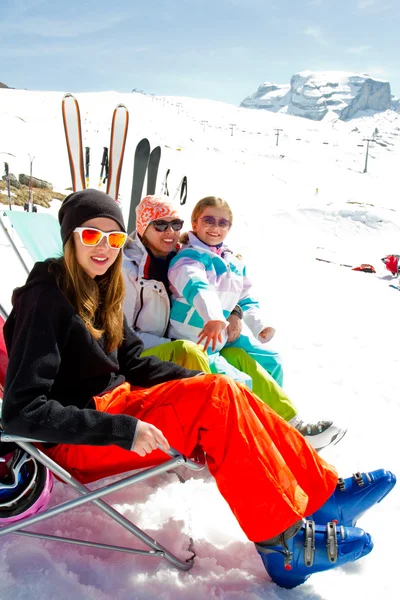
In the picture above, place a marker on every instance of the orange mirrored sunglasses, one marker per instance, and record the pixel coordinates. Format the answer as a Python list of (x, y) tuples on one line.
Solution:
[(90, 236)]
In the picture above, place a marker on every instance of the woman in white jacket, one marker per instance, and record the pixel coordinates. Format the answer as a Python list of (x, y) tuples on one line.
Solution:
[(145, 269)]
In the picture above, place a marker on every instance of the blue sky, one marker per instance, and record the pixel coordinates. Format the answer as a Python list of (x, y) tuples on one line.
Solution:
[(216, 49)]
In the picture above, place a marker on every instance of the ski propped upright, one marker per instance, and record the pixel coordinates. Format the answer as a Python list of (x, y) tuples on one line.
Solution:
[(141, 160), (73, 135), (152, 170), (119, 131)]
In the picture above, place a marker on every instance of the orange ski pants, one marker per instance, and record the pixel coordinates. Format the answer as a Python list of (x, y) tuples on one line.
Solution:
[(264, 468)]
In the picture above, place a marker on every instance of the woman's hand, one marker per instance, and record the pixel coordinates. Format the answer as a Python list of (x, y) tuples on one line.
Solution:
[(148, 438), (267, 334), (212, 333)]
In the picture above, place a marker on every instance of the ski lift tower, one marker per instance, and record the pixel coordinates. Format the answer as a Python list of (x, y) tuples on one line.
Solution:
[(368, 140), (277, 135)]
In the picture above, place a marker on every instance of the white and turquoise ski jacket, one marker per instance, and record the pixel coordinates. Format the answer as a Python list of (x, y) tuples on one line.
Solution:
[(206, 287)]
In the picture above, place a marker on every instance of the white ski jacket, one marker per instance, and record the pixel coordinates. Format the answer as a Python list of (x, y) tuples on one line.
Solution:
[(206, 287), (146, 305)]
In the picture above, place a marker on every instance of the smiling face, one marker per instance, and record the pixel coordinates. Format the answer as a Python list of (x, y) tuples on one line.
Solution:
[(161, 243), (212, 235), (95, 260)]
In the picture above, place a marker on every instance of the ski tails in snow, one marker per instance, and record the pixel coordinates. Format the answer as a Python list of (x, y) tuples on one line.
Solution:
[(152, 170), (73, 135), (79, 166), (119, 131), (141, 160)]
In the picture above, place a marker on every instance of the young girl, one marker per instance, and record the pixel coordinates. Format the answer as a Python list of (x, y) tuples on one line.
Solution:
[(207, 281), (147, 255), (217, 280), (76, 381)]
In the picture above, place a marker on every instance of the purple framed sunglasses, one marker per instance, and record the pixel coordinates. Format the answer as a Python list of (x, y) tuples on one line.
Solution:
[(214, 222)]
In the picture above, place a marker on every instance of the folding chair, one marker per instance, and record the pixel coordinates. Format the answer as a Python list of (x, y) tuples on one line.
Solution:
[(86, 495), (39, 233)]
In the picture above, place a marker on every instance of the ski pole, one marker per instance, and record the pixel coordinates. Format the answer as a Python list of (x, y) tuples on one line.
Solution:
[(30, 196), (104, 166), (365, 267), (332, 262), (181, 190), (8, 184), (164, 186), (87, 164)]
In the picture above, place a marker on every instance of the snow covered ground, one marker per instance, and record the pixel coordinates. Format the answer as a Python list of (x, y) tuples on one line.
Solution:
[(338, 330)]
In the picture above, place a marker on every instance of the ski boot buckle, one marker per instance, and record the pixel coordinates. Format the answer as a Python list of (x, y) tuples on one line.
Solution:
[(341, 484), (331, 542), (309, 543), (358, 479)]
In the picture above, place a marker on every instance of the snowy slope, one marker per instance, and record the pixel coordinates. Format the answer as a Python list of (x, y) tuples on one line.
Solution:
[(337, 330)]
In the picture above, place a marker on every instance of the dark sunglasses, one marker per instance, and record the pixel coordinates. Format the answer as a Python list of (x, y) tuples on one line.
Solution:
[(213, 222), (160, 225)]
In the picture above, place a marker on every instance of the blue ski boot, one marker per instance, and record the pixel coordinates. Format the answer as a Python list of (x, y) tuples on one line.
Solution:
[(354, 496), (314, 548)]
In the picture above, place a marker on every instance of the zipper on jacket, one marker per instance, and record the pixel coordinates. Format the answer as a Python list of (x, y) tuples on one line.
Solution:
[(141, 306)]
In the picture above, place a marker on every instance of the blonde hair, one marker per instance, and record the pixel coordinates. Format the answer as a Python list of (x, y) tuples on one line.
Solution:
[(98, 303), (208, 201)]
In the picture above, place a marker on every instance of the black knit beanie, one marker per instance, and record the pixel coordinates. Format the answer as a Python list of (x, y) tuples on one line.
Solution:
[(84, 205)]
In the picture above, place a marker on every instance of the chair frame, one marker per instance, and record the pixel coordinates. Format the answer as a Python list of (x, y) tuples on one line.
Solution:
[(86, 495)]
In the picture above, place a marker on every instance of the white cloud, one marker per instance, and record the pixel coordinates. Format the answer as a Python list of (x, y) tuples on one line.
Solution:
[(358, 49), (378, 71), (365, 3), (315, 32)]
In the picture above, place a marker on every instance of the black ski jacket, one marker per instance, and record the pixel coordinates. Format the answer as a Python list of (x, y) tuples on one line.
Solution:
[(56, 367)]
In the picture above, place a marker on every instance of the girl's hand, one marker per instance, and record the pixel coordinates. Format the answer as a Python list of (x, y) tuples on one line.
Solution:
[(212, 333), (234, 327), (148, 439), (267, 334)]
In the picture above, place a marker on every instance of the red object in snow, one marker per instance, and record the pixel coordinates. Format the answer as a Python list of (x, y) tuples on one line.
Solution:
[(366, 268), (392, 263)]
